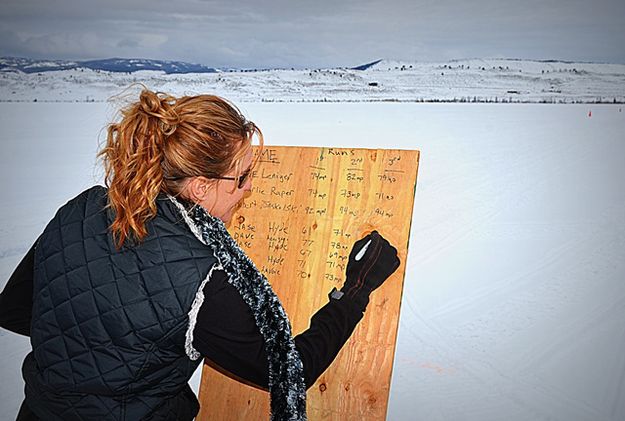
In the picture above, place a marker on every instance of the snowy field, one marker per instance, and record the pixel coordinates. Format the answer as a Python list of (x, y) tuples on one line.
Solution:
[(514, 301)]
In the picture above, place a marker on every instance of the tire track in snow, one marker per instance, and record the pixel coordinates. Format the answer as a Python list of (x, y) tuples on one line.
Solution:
[(506, 287)]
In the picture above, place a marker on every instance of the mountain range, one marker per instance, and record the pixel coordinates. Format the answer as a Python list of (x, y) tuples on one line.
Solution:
[(122, 65)]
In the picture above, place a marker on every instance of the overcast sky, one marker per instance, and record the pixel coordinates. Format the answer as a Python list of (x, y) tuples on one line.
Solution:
[(322, 33)]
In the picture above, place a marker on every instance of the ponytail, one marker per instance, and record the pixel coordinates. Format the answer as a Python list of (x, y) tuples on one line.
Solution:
[(132, 160)]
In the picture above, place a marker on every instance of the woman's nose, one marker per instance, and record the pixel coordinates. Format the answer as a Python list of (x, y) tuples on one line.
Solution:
[(248, 184)]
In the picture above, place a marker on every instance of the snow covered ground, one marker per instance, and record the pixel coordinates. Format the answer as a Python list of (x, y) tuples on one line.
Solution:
[(476, 80), (514, 301)]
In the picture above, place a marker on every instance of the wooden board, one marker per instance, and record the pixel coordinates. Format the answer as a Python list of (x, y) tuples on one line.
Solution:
[(307, 208)]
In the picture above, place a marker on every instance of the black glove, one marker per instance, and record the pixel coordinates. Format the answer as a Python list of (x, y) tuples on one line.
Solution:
[(367, 271)]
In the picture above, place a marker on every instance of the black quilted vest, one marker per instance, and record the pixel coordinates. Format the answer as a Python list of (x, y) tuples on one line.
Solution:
[(108, 326)]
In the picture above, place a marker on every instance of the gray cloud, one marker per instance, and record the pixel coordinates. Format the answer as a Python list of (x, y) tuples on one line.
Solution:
[(312, 34)]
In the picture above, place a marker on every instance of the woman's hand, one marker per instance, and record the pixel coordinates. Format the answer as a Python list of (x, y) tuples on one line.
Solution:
[(372, 260)]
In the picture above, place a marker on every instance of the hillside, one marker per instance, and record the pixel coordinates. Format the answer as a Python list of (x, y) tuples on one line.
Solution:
[(472, 80)]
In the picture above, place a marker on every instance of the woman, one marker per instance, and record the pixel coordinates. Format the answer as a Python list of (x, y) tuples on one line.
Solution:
[(131, 284)]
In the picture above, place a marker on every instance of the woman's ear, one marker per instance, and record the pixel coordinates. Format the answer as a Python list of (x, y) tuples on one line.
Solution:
[(198, 189)]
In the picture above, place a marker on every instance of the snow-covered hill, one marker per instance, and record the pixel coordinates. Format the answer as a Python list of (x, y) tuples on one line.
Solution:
[(473, 80)]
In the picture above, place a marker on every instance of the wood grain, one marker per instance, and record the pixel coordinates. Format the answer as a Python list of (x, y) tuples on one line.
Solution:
[(307, 208)]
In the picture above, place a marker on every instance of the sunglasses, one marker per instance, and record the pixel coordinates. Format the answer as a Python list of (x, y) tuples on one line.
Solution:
[(245, 175), (242, 178)]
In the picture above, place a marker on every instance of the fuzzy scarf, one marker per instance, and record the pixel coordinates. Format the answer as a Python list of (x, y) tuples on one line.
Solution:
[(286, 374)]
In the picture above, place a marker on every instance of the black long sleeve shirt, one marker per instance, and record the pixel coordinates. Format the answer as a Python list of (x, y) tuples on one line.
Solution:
[(225, 332), (16, 299)]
